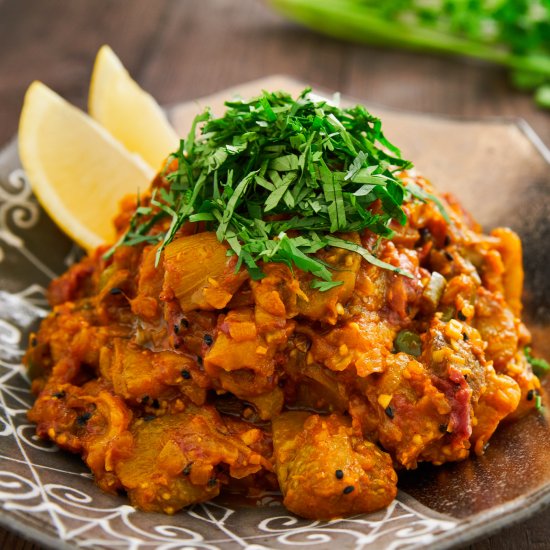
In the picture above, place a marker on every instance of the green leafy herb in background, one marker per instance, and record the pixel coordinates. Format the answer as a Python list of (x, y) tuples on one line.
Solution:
[(514, 33), (540, 366), (276, 177)]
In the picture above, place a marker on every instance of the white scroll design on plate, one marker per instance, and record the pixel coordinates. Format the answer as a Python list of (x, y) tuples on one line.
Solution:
[(17, 206), (19, 210)]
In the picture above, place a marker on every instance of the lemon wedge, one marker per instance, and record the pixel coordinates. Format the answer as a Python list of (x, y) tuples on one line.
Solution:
[(129, 113), (78, 171)]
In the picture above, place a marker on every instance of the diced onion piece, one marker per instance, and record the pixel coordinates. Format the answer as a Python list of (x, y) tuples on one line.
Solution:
[(327, 305), (434, 290), (199, 272)]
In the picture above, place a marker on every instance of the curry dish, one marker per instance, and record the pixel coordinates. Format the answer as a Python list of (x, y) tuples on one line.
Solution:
[(179, 379)]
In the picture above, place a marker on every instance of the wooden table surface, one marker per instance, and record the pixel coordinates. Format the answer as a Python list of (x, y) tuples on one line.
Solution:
[(183, 49)]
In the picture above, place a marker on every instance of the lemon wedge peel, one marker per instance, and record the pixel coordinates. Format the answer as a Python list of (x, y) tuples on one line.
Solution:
[(129, 113), (69, 158)]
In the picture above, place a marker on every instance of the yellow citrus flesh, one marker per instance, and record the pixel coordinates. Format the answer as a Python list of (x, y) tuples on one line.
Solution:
[(77, 170), (129, 113)]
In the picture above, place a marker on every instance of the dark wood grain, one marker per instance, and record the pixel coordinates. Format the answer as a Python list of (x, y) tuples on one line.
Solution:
[(180, 50), (10, 541)]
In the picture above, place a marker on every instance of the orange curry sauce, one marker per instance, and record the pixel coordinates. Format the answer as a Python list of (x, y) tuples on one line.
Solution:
[(180, 381)]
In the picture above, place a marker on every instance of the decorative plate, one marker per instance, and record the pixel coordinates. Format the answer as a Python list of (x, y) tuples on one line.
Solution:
[(501, 173)]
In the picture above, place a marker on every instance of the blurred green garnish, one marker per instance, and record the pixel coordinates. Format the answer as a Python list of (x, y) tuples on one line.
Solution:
[(540, 366), (513, 33)]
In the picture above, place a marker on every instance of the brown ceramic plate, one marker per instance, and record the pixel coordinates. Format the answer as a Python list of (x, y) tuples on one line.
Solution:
[(500, 171)]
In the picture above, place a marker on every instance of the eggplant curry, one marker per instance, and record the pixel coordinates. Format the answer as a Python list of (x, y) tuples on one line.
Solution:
[(289, 307)]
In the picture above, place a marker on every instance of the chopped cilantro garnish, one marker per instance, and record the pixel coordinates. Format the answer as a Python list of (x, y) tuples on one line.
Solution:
[(277, 178), (325, 285), (540, 366)]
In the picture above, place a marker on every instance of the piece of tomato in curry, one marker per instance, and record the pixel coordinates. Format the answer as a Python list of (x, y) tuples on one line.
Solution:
[(179, 381)]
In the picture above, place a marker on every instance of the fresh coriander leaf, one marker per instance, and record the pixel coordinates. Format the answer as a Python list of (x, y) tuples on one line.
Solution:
[(363, 190), (284, 163), (264, 183), (419, 193), (365, 254), (323, 286), (277, 194), (356, 165), (202, 217)]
